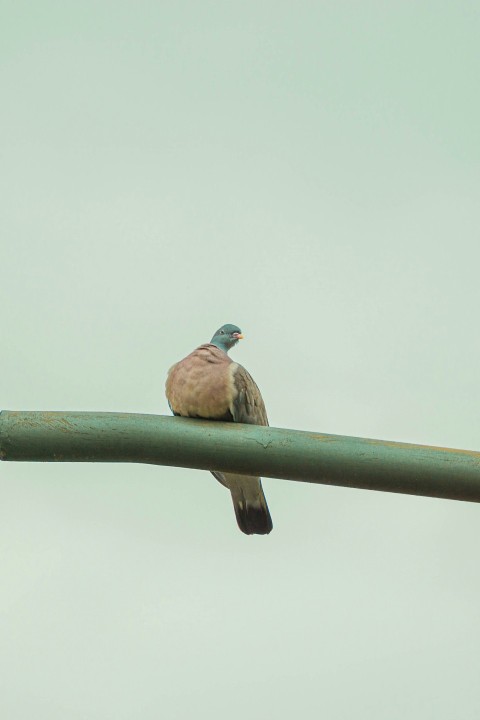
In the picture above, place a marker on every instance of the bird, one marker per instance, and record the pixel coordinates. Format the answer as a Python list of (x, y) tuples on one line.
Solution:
[(208, 384)]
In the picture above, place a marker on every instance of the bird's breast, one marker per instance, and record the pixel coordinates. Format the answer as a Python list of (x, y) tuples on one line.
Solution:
[(202, 385)]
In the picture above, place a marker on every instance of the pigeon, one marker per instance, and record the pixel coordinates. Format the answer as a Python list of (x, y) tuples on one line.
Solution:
[(207, 384)]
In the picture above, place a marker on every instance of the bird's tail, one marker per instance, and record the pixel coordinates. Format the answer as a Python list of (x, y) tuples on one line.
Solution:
[(249, 503)]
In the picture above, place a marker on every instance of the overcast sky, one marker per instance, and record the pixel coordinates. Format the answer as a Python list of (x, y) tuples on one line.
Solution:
[(310, 172)]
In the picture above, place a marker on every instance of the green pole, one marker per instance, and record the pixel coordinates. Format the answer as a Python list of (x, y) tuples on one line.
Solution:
[(263, 451)]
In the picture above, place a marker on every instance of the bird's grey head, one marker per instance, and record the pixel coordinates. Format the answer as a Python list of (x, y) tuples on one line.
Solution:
[(226, 337)]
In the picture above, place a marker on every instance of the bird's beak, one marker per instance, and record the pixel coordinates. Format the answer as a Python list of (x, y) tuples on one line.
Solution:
[(238, 336)]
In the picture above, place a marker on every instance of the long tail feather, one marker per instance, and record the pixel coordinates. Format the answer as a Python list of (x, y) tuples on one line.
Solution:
[(249, 503)]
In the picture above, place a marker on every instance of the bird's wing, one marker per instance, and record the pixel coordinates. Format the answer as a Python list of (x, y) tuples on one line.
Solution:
[(247, 406)]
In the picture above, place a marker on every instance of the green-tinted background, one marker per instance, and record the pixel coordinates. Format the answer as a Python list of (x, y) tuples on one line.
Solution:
[(309, 171)]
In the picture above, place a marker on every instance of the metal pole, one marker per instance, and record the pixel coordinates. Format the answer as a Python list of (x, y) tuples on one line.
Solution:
[(263, 451)]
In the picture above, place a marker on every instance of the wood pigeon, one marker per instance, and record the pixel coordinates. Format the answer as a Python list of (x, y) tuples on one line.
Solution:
[(208, 384)]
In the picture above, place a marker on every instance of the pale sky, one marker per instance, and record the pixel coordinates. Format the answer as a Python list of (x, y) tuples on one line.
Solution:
[(310, 172)]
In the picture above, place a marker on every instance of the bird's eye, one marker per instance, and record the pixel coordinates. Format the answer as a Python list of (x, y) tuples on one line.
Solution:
[(222, 332)]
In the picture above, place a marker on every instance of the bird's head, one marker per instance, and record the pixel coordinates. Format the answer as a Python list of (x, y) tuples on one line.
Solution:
[(226, 337)]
